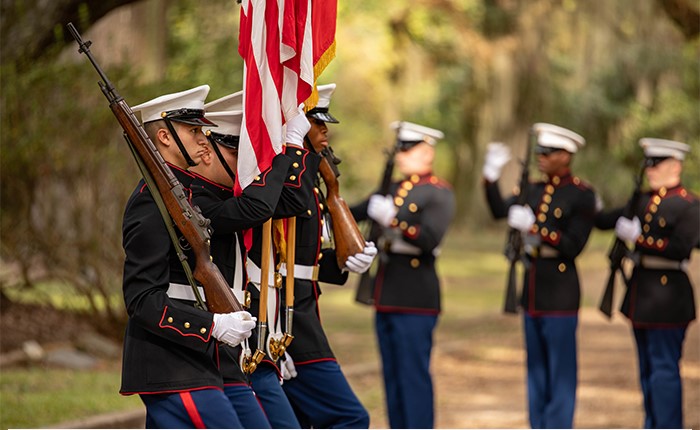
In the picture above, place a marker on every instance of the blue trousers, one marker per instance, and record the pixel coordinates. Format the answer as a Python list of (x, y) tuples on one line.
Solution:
[(322, 398), (247, 406), (659, 351), (266, 384), (551, 370), (405, 343), (189, 410)]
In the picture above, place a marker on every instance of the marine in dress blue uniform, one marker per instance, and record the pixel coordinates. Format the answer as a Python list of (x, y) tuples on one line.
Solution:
[(275, 188), (555, 222), (659, 300), (416, 216), (170, 346), (313, 381)]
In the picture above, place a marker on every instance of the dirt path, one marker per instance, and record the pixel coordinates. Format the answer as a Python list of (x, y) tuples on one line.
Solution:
[(481, 384)]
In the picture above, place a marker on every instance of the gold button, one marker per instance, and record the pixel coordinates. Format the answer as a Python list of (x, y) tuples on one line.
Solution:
[(547, 198), (163, 114), (549, 189), (170, 319), (659, 243), (557, 212), (656, 199), (662, 222), (577, 181), (415, 263), (403, 225), (650, 240), (648, 217), (322, 239), (187, 325), (308, 211), (684, 193), (295, 165), (394, 222), (415, 178), (316, 190), (645, 229), (640, 239), (203, 330), (434, 180), (320, 255), (562, 267), (413, 207), (662, 191), (544, 231), (257, 178), (556, 180), (403, 193), (299, 152), (535, 228), (411, 230), (664, 280), (653, 208), (248, 299), (407, 185), (541, 217), (323, 221), (293, 178), (553, 235), (320, 206), (398, 201), (544, 207)]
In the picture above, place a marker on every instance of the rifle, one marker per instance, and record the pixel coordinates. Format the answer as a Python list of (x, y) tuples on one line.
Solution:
[(618, 250), (188, 219), (365, 286), (514, 244), (346, 234)]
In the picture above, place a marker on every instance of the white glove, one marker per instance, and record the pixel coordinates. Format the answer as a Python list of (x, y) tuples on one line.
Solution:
[(497, 155), (382, 209), (297, 127), (233, 328), (521, 218), (360, 262), (628, 229), (287, 367)]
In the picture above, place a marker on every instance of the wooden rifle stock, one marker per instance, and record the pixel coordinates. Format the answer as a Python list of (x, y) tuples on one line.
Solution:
[(618, 251), (188, 219), (348, 239)]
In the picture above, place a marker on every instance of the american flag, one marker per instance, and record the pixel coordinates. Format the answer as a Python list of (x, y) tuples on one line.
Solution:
[(285, 44)]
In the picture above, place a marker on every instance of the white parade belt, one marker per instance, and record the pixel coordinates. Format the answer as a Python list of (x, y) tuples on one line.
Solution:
[(654, 262), (300, 272), (184, 292)]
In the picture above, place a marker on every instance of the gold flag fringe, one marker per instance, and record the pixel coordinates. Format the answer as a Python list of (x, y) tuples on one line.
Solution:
[(319, 67)]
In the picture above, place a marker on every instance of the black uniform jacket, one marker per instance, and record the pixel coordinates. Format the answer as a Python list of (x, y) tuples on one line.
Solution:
[(229, 216), (406, 280), (168, 345), (298, 192), (564, 208), (660, 293)]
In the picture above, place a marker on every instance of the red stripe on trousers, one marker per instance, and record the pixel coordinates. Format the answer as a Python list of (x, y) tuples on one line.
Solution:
[(192, 411)]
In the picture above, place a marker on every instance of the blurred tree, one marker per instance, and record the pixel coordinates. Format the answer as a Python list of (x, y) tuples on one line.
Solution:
[(31, 27)]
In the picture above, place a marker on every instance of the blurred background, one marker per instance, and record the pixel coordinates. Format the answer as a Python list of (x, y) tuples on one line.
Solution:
[(480, 70)]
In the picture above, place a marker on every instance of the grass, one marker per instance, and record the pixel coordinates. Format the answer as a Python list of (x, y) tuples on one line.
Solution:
[(473, 271), (37, 397)]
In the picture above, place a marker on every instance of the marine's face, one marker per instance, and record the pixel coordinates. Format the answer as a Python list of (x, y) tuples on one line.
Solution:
[(417, 160), (318, 134), (665, 173), (193, 139), (554, 162)]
